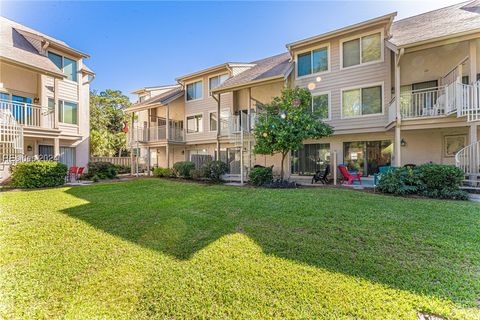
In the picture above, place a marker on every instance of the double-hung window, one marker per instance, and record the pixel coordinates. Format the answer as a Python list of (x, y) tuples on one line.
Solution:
[(195, 123), (362, 101), (213, 121), (68, 66), (362, 50), (314, 61), (194, 90), (320, 105), (215, 81)]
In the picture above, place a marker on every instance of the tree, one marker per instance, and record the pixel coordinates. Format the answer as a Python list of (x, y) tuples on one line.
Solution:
[(107, 115), (286, 122)]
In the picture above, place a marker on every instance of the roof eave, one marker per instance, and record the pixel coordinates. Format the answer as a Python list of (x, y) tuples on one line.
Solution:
[(428, 41), (248, 84), (333, 33), (34, 68)]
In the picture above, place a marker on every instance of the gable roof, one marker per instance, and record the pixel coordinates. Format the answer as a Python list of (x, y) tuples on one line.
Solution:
[(275, 67), (219, 67), (456, 19), (161, 99)]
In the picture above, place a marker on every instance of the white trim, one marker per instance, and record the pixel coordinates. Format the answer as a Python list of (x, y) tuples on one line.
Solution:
[(186, 91), (209, 120), (214, 76), (360, 36), (329, 94), (368, 85), (323, 45), (57, 113), (193, 115)]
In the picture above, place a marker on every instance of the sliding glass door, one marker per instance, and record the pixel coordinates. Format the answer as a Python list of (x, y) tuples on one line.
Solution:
[(367, 156), (310, 159)]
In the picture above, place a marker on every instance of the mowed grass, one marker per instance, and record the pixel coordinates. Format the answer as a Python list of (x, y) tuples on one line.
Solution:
[(160, 249)]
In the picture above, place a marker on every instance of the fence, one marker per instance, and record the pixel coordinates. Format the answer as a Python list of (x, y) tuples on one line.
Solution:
[(123, 161)]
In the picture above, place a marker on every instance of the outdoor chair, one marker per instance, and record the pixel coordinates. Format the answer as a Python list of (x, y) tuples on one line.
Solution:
[(72, 172), (381, 170), (321, 176), (79, 173), (349, 176)]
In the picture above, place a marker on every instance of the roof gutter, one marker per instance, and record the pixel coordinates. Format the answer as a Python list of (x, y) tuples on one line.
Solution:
[(248, 84)]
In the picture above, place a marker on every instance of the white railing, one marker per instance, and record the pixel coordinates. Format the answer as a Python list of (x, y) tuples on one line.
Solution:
[(423, 103), (123, 161), (156, 133), (237, 123), (29, 115), (468, 160), (11, 137), (392, 111)]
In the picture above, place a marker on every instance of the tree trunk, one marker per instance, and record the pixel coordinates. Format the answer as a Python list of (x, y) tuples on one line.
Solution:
[(281, 168)]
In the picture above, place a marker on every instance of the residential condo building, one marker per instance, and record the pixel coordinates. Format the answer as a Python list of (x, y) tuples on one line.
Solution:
[(396, 92), (44, 98)]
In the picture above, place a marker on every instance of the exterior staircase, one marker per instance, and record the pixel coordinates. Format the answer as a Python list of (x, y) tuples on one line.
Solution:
[(468, 159), (11, 142)]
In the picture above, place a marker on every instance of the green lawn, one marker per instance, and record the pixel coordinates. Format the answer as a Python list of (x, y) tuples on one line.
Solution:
[(160, 249)]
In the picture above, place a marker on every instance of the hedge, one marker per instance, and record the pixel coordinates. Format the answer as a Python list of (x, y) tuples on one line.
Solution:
[(101, 170), (38, 174)]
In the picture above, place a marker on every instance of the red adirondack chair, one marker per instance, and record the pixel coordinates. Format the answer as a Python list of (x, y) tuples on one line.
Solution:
[(79, 173), (349, 176), (72, 172)]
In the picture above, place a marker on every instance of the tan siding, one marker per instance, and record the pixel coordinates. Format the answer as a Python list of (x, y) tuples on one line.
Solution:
[(237, 70), (337, 79), (68, 90)]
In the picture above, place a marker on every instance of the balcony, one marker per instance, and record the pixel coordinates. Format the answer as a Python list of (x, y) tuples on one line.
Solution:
[(454, 98), (237, 123), (157, 134), (30, 115)]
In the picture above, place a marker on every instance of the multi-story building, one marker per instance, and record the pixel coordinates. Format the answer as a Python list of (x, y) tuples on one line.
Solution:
[(44, 98), (396, 92)]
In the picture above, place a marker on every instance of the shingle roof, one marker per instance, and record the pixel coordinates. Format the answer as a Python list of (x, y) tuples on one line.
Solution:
[(163, 98), (459, 18), (264, 69), (15, 47)]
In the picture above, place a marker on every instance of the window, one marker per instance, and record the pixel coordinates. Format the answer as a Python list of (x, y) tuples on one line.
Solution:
[(214, 82), (68, 66), (362, 50), (195, 124), (312, 62), (363, 101), (310, 158), (194, 90), (67, 112), (320, 105), (67, 156), (213, 121)]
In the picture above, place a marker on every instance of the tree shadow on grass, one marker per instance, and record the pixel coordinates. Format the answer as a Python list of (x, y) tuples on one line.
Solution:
[(425, 247)]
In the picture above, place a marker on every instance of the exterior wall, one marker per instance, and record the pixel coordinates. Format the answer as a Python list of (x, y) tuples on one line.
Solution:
[(19, 80), (204, 106), (336, 79)]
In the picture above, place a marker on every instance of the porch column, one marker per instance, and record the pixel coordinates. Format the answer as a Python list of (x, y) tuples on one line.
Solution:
[(398, 139), (56, 147), (149, 160), (40, 96), (167, 154), (473, 132), (56, 104), (217, 155), (473, 61), (167, 134), (132, 136)]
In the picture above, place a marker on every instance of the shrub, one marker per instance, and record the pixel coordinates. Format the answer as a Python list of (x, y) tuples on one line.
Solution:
[(429, 180), (183, 168), (260, 176), (215, 169), (197, 174), (38, 174), (103, 170), (122, 169), (162, 172)]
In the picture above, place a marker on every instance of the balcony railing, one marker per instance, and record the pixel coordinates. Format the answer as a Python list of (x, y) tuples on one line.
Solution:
[(423, 103), (156, 133), (30, 115), (237, 123)]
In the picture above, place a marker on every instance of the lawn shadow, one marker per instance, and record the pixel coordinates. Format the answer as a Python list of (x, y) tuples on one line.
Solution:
[(397, 242)]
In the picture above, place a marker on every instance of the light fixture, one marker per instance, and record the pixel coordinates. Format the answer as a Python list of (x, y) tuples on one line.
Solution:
[(311, 86), (29, 148), (36, 100), (403, 143), (319, 79)]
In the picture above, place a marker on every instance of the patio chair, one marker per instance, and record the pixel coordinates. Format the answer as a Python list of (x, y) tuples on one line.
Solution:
[(322, 177), (79, 173), (349, 176), (381, 169), (72, 172)]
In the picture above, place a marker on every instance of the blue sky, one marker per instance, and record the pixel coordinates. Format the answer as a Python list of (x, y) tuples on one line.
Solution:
[(137, 44)]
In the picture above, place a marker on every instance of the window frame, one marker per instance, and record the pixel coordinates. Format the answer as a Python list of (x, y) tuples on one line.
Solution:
[(62, 114), (369, 85), (329, 95), (321, 46), (216, 76), (210, 121), (359, 37), (186, 90), (63, 65), (186, 122)]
